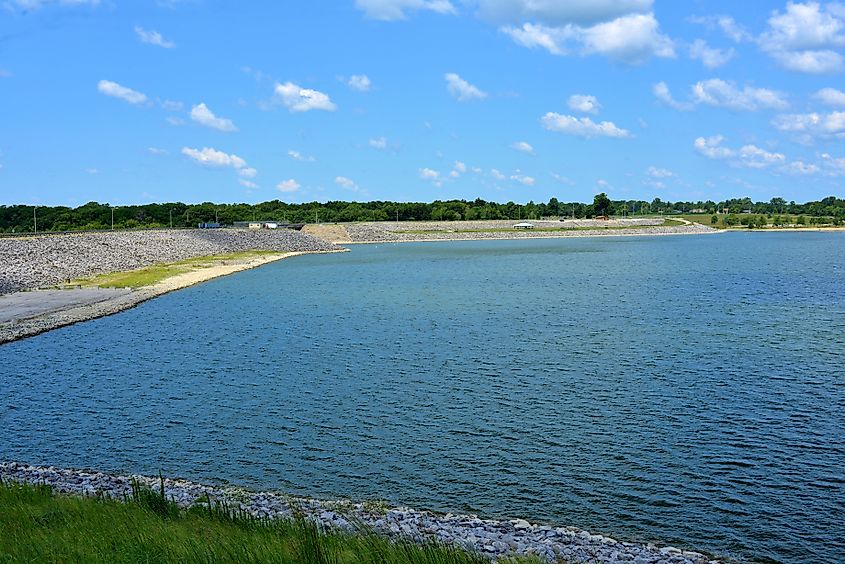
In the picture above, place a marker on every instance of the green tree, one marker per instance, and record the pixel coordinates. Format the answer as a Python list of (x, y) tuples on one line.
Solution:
[(714, 219), (601, 204)]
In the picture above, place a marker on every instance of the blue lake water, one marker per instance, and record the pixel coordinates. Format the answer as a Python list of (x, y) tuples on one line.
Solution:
[(685, 390)]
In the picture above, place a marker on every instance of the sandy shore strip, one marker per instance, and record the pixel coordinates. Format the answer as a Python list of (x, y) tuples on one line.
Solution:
[(493, 538), (62, 307)]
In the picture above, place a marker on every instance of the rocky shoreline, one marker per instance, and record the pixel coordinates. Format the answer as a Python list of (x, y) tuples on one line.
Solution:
[(492, 538)]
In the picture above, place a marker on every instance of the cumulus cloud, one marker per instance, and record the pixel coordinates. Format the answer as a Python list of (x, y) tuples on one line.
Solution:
[(631, 38), (495, 173), (555, 12), (831, 97), (379, 143), (710, 57), (523, 147), (153, 38), (248, 172), (297, 156), (726, 24), (830, 125), (749, 156), (523, 179), (298, 99), (289, 185), (582, 127), (711, 147), (359, 82), (390, 10), (460, 167), (719, 93), (662, 93), (656, 172), (346, 183), (800, 167), (806, 36), (115, 90), (462, 90), (204, 116), (172, 106), (429, 174), (584, 103), (247, 183), (212, 157)]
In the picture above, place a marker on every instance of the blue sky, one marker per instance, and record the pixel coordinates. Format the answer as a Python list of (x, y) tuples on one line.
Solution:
[(203, 100)]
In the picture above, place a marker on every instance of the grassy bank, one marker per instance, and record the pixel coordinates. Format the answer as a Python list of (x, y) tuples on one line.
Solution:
[(40, 526), (159, 272)]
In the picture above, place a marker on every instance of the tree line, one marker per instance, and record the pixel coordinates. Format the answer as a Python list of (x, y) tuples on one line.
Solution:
[(94, 215)]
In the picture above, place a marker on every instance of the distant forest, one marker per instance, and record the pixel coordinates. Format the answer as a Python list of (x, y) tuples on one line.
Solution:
[(93, 215)]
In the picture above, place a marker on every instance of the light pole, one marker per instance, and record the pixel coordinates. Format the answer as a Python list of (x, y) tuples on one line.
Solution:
[(34, 219), (171, 218), (112, 217)]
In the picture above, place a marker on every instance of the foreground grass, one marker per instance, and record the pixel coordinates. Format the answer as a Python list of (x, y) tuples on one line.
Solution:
[(40, 526), (156, 273), (666, 223)]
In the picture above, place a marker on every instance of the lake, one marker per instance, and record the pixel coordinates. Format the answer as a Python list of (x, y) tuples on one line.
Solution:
[(687, 390)]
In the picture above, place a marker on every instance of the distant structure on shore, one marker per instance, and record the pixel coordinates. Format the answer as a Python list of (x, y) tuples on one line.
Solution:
[(266, 225)]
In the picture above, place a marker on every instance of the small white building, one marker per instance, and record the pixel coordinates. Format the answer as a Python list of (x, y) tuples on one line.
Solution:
[(271, 225), (524, 225)]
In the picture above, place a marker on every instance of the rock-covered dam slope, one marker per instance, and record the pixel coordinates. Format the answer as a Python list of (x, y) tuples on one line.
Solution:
[(46, 260)]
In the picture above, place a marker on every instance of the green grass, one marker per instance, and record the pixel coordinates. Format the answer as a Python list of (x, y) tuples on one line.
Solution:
[(37, 525), (666, 223), (154, 274)]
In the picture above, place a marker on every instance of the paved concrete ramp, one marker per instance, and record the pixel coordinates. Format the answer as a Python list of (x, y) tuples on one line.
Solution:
[(24, 305)]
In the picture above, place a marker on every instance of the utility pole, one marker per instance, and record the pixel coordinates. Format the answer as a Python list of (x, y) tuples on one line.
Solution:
[(112, 218), (315, 217), (215, 216), (34, 219), (171, 218)]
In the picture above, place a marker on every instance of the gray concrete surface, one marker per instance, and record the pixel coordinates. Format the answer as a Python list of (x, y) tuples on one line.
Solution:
[(23, 305)]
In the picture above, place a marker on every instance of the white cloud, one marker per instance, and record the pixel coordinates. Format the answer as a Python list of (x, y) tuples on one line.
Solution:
[(804, 37), (719, 93), (711, 147), (754, 157), (212, 157), (584, 103), (632, 38), (298, 99), (749, 156), (831, 97), (454, 174), (248, 172), (833, 165), (523, 147), (582, 127), (297, 156), (460, 167), (602, 183), (800, 167), (153, 38), (92, 171), (289, 185), (115, 90), (429, 174), (523, 179), (813, 124), (359, 82), (559, 13), (346, 183), (173, 120), (563, 179), (204, 116), (710, 57), (662, 93), (462, 90), (172, 106), (390, 10), (247, 183), (727, 24), (156, 151), (495, 173), (379, 143), (655, 172)]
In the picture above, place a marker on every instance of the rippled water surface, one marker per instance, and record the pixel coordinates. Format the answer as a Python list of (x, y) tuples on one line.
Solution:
[(686, 390)]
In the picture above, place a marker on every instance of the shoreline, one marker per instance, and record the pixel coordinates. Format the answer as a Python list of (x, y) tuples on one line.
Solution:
[(507, 237), (492, 538), (54, 319)]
